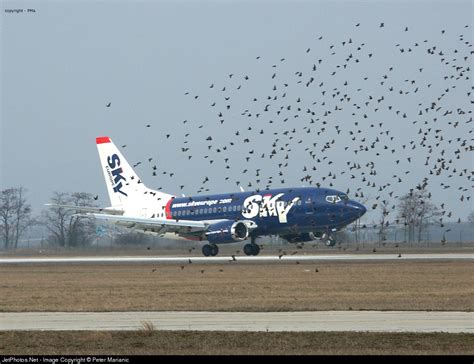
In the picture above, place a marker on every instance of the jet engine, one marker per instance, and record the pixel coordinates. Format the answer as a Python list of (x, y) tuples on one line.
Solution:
[(227, 231)]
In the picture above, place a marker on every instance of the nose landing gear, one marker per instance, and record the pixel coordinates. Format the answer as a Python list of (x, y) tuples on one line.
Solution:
[(327, 238), (330, 240)]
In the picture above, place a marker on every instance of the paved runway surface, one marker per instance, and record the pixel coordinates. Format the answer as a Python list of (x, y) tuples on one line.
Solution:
[(377, 321), (243, 259)]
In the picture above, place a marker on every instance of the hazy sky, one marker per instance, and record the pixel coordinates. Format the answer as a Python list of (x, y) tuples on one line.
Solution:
[(62, 64)]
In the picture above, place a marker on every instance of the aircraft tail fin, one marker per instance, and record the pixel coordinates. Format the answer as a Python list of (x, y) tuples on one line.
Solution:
[(123, 185)]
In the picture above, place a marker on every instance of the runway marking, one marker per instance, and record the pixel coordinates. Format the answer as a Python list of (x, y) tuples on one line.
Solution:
[(246, 259), (374, 321)]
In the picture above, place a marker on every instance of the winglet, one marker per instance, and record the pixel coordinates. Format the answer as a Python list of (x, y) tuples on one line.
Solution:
[(101, 140)]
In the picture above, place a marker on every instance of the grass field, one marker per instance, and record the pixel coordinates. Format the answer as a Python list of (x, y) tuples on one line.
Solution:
[(391, 285), (232, 343)]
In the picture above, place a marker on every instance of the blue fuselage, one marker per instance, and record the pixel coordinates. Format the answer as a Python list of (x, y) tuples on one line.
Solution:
[(276, 212)]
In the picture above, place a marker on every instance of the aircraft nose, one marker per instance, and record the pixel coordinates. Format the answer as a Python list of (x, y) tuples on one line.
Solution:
[(359, 209)]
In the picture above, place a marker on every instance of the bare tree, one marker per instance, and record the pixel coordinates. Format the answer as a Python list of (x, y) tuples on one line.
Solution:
[(67, 228), (470, 217), (417, 212), (15, 216), (132, 238), (356, 226), (383, 222)]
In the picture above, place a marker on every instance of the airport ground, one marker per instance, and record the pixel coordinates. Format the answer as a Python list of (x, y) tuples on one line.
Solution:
[(232, 343), (334, 285), (337, 285)]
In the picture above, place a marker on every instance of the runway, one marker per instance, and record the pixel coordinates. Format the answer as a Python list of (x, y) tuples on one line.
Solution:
[(236, 259), (375, 321)]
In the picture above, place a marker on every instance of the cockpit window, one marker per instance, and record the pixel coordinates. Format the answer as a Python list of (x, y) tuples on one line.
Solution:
[(344, 197), (333, 199)]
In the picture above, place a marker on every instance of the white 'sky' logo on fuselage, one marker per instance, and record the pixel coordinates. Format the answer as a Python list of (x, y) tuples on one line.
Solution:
[(263, 206)]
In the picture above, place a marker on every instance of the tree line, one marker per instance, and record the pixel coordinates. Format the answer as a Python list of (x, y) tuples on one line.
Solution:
[(65, 228)]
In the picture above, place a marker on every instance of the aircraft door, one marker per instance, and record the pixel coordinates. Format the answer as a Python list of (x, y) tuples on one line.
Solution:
[(310, 210), (309, 206)]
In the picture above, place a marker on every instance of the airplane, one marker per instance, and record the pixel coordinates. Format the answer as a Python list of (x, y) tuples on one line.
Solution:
[(300, 214)]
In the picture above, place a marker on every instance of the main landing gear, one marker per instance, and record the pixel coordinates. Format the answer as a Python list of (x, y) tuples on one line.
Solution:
[(252, 248), (210, 250)]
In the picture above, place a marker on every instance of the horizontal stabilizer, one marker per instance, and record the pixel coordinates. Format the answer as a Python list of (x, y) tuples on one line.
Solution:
[(89, 209)]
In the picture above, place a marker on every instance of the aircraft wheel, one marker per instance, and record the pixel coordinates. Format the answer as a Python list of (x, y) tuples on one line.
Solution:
[(214, 250), (248, 249), (255, 249), (207, 250)]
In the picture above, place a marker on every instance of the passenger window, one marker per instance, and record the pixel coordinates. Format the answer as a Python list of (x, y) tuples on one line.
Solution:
[(224, 209)]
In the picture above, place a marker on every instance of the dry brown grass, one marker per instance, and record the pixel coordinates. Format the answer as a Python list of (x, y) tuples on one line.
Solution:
[(147, 328), (223, 343), (397, 285)]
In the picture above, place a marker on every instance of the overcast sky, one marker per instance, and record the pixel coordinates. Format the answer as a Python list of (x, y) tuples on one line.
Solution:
[(161, 63)]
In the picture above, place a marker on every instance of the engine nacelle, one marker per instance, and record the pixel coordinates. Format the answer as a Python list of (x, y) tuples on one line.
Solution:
[(228, 231), (300, 238)]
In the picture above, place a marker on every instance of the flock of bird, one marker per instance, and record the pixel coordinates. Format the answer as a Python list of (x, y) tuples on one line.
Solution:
[(348, 115)]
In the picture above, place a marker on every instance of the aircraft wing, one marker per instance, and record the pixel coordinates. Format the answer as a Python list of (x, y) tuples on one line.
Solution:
[(88, 209), (159, 226)]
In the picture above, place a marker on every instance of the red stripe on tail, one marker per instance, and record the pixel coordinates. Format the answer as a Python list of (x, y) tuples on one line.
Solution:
[(102, 140)]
